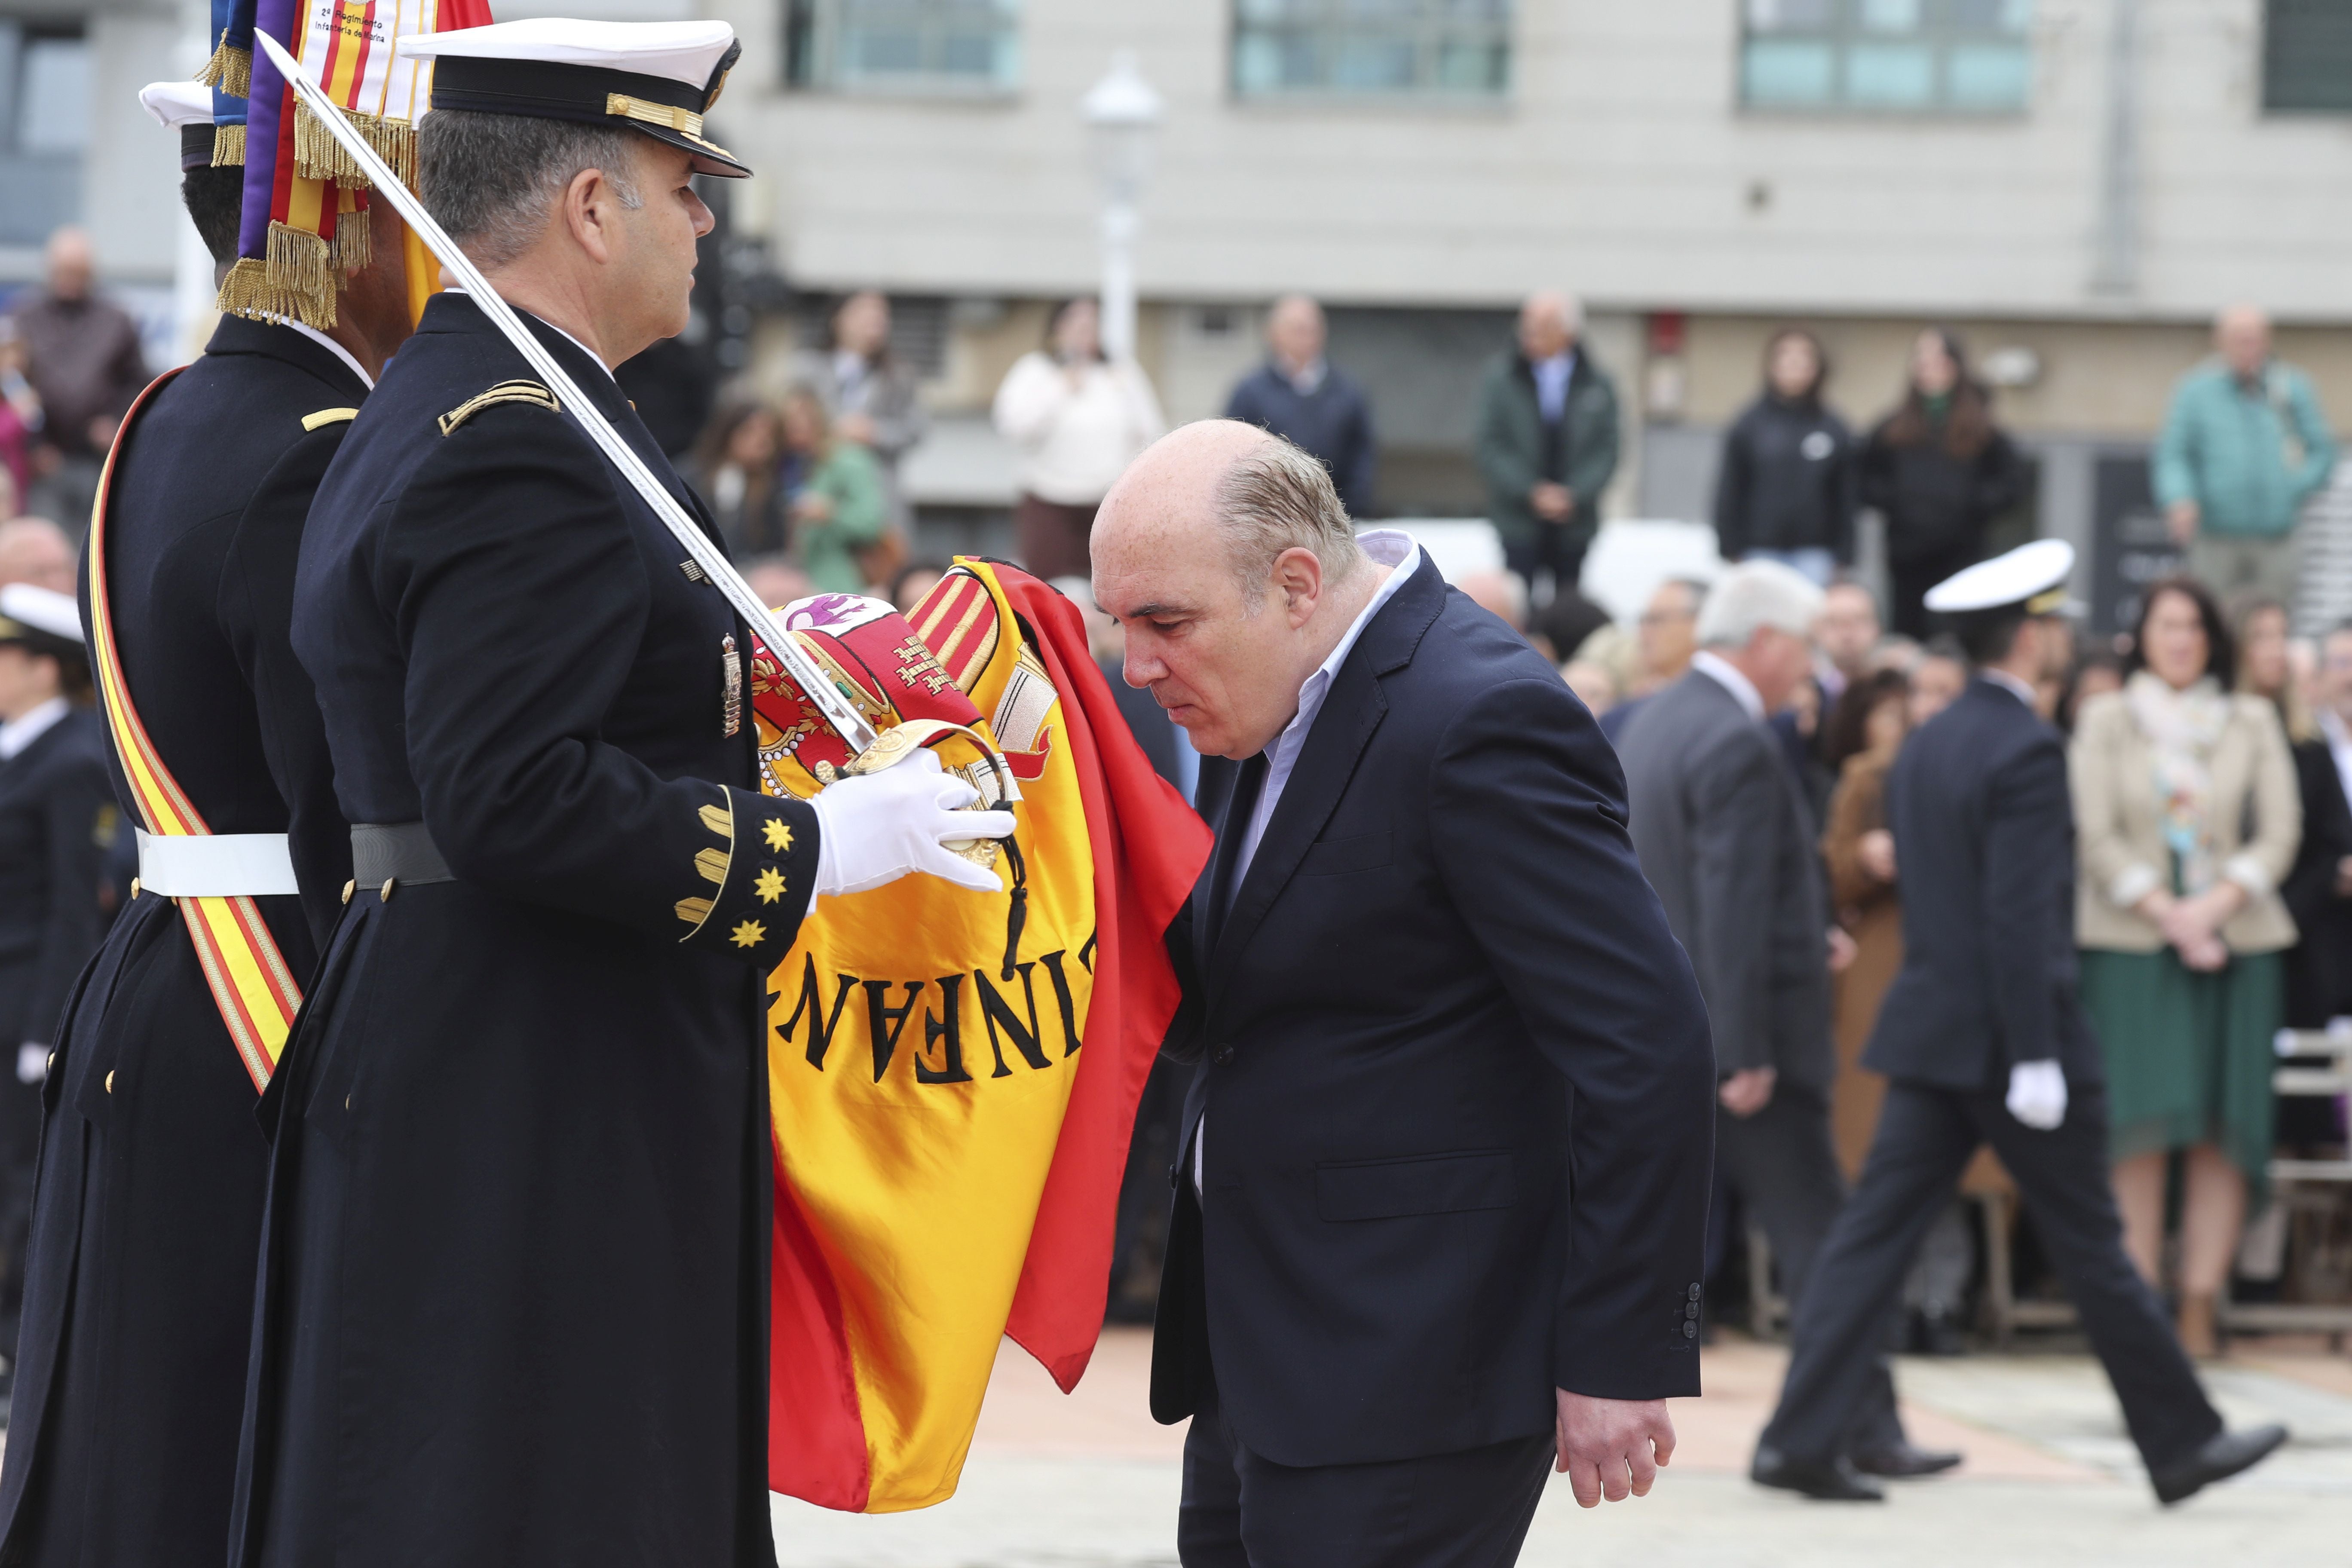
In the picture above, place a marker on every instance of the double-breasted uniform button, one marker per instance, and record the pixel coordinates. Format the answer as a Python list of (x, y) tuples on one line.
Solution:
[(1223, 1054)]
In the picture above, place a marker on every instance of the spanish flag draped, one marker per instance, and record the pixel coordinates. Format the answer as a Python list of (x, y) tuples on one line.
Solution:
[(954, 1076)]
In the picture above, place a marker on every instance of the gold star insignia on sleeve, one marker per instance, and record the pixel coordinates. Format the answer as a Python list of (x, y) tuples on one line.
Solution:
[(748, 933), (779, 838), (770, 885)]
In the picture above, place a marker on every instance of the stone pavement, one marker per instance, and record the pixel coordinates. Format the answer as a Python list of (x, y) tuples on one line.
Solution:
[(1089, 1482)]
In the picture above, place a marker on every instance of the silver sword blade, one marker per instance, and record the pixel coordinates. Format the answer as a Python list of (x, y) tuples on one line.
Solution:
[(836, 710)]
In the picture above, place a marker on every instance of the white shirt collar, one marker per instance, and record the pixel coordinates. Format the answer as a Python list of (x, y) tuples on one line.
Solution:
[(332, 347), (2010, 684), (1306, 382), (21, 732), (1725, 674)]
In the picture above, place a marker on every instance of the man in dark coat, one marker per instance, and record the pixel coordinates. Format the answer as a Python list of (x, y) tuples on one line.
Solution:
[(1983, 1039), (2318, 890), (1546, 440), (1302, 397), (513, 1274), (1422, 938), (132, 1363), (1727, 842)]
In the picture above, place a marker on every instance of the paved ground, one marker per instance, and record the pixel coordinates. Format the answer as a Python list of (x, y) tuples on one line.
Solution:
[(1089, 1482)]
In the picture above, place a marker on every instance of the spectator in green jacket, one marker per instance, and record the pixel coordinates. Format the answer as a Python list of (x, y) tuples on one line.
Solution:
[(839, 510), (2243, 448), (1546, 441)]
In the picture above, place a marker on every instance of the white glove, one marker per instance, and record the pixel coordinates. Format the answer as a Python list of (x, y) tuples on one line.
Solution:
[(2037, 1094), (32, 1062), (874, 828)]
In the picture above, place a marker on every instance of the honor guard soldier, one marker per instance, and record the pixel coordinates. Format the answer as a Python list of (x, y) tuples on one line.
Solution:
[(132, 1355), (57, 824), (1983, 1039), (514, 1278)]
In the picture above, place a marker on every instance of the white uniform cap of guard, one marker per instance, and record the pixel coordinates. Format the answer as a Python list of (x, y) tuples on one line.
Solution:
[(38, 609), (2031, 577), (171, 104)]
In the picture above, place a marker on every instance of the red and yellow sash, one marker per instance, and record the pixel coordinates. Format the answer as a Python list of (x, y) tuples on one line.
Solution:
[(256, 991)]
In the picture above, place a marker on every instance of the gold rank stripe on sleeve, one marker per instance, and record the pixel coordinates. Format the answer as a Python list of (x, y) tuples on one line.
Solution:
[(710, 864), (326, 417), (518, 391), (252, 986)]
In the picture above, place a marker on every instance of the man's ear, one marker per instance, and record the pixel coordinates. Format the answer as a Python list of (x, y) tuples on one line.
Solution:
[(588, 203), (1299, 579)]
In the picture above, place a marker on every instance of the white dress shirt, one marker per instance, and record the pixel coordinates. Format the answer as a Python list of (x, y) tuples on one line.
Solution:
[(30, 726), (2339, 746), (2010, 684), (1389, 547), (1725, 674), (1552, 384)]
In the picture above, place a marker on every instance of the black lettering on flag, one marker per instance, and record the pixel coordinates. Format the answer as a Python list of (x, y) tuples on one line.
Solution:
[(949, 1035), (821, 1027), (884, 1023), (995, 1010), (1086, 953), (1052, 962)]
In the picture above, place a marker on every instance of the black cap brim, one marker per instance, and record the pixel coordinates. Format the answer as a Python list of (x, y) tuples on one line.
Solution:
[(709, 157)]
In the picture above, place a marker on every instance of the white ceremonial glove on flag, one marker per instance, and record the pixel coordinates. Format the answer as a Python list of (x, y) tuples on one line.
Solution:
[(32, 1062), (874, 828), (2037, 1094)]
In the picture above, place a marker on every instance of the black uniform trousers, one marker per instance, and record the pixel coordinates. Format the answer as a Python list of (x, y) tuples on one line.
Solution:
[(1925, 1138), (1783, 1164)]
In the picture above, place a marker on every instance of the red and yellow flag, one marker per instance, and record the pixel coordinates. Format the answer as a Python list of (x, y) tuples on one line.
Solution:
[(954, 1076)]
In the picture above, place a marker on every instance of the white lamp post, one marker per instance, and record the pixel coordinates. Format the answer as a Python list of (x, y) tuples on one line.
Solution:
[(1122, 114)]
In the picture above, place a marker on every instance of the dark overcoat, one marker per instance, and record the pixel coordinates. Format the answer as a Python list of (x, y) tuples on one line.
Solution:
[(131, 1364), (512, 1299)]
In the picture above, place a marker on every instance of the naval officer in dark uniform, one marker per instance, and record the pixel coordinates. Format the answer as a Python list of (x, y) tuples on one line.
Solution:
[(132, 1363), (56, 825), (514, 1278), (1984, 1040)]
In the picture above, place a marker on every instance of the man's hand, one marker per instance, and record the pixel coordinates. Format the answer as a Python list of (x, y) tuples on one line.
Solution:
[(1612, 1448), (2180, 520), (1552, 502), (2037, 1094), (1875, 850), (1843, 949), (1747, 1091)]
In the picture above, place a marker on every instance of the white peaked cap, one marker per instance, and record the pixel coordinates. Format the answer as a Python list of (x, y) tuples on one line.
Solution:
[(40, 610), (171, 104), (2031, 577), (683, 51)]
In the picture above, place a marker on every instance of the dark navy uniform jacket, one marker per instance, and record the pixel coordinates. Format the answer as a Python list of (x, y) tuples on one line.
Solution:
[(130, 1363), (57, 823), (1459, 1093), (513, 1301)]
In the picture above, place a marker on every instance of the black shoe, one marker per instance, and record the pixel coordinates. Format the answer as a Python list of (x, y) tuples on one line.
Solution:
[(1834, 1481), (1902, 1462), (2224, 1456)]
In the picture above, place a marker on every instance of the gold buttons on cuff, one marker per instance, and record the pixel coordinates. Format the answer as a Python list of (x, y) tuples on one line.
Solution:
[(349, 888), (134, 887), (109, 1080), (384, 893)]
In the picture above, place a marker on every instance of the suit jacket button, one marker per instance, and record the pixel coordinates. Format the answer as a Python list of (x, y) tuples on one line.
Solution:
[(1690, 1330), (1223, 1055)]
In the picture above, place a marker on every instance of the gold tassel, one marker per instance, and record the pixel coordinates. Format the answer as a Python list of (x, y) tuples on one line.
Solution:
[(350, 250), (231, 70), (319, 156), (292, 281), (228, 147)]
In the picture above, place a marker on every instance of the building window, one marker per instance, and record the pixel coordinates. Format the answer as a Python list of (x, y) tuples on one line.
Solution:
[(2307, 56), (903, 45), (1935, 57), (44, 127), (1426, 48)]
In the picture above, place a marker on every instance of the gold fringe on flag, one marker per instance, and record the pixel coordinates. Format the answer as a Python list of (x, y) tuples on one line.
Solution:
[(289, 283), (228, 147), (231, 70), (349, 249), (319, 156)]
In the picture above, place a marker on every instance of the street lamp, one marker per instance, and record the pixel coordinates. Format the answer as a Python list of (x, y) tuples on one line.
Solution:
[(1122, 114)]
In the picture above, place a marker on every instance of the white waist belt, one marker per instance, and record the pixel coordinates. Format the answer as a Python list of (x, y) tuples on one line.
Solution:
[(215, 865)]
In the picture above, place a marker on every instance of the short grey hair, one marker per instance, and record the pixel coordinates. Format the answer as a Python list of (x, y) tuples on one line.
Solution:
[(1278, 498), (1755, 594), (490, 179)]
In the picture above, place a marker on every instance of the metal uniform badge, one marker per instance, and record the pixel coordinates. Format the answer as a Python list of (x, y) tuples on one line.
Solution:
[(731, 675)]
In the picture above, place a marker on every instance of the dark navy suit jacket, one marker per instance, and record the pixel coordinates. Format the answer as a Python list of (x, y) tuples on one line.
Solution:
[(1455, 1070)]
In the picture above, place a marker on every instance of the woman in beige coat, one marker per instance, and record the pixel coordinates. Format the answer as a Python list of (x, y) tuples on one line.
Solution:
[(2188, 815)]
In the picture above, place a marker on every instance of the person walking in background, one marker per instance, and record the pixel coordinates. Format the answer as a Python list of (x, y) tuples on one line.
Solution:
[(870, 393), (1787, 484), (2318, 891), (1664, 639), (835, 499), (1982, 1040), (1302, 397), (2243, 447), (738, 467), (82, 358), (1846, 638), (1865, 734), (57, 822), (1939, 470), (2186, 805), (1078, 420), (1545, 440)]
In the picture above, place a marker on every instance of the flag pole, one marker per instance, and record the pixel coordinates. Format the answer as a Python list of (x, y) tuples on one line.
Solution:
[(816, 687)]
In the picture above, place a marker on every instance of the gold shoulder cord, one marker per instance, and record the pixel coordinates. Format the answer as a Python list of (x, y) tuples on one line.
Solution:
[(529, 392)]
